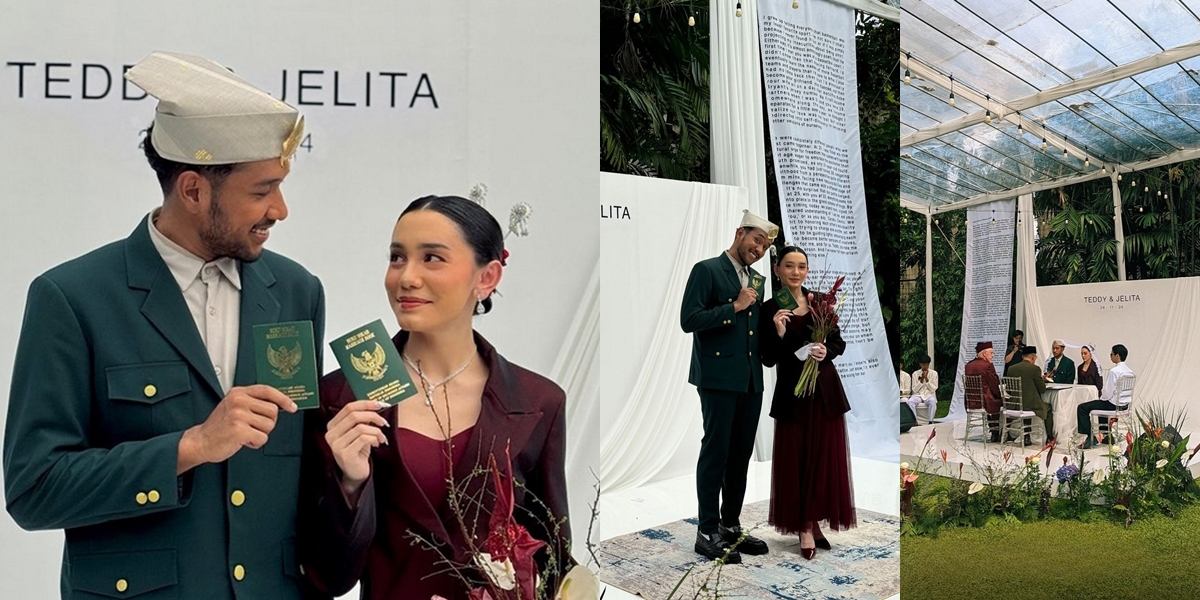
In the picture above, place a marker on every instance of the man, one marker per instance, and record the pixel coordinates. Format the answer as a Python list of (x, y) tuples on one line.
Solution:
[(989, 398), (1013, 356), (924, 388), (719, 306), (1032, 388), (1110, 396), (133, 421), (1059, 368), (905, 383)]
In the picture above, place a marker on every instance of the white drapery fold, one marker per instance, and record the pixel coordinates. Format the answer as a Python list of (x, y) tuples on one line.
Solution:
[(576, 370), (1170, 377), (1029, 306), (655, 420)]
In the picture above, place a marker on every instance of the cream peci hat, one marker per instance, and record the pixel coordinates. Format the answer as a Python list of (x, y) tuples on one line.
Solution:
[(750, 219), (208, 115)]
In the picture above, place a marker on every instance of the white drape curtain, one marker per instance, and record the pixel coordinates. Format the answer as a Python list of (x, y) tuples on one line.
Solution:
[(738, 155), (657, 417), (1170, 376), (1029, 306), (576, 371)]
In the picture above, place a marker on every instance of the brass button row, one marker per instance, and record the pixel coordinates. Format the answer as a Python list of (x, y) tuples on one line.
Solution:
[(143, 497)]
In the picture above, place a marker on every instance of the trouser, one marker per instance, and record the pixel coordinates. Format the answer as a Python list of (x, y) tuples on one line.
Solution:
[(1083, 413), (730, 424), (930, 404)]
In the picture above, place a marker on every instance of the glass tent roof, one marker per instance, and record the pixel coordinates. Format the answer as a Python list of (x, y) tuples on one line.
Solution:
[(1103, 84)]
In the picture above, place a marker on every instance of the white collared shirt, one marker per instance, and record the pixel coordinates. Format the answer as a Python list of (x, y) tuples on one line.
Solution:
[(743, 271), (213, 294), (928, 388), (905, 384), (1118, 371)]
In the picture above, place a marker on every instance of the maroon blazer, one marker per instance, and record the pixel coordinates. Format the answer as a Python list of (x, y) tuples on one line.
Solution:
[(373, 541), (991, 401)]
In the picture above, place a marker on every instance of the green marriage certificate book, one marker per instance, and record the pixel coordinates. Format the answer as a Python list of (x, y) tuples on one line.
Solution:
[(286, 359), (372, 366)]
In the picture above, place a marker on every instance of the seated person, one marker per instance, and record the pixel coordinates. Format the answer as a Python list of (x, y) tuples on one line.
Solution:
[(989, 395), (1108, 396), (905, 383), (1059, 369), (1089, 371), (924, 384), (1032, 388)]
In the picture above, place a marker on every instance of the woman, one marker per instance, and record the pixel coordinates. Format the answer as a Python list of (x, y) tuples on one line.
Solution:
[(1013, 355), (810, 469), (380, 509), (1088, 371)]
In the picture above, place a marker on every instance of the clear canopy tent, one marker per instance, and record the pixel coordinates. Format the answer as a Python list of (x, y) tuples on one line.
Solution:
[(1004, 98)]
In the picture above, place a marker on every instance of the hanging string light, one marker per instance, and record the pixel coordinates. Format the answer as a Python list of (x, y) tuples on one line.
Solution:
[(987, 115), (637, 15), (1020, 129), (1086, 163), (795, 3), (738, 12), (1104, 169), (1118, 169), (691, 20), (1044, 141), (907, 74), (951, 90)]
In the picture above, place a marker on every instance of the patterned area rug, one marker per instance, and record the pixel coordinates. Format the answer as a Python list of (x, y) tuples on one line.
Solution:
[(863, 565)]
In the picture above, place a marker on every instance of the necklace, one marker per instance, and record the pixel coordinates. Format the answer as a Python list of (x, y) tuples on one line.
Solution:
[(431, 388)]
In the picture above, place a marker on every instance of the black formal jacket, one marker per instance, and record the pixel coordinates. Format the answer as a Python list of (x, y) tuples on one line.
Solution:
[(785, 406)]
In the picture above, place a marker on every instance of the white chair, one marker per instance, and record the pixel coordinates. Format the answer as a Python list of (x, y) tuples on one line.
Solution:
[(1103, 420), (976, 417), (1018, 421)]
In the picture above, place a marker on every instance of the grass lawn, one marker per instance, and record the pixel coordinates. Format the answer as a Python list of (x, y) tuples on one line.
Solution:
[(1050, 560)]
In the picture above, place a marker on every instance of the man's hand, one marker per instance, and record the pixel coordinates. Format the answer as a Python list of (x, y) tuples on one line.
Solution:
[(746, 298), (243, 418)]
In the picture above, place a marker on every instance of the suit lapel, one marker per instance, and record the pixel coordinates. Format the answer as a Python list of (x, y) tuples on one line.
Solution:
[(259, 307), (727, 267), (164, 305)]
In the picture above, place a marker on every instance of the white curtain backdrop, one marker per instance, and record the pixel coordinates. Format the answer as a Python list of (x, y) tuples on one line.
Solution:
[(1029, 305), (576, 370), (1155, 319), (738, 154), (651, 413)]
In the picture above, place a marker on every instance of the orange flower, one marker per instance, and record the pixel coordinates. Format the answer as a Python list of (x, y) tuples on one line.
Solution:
[(943, 456)]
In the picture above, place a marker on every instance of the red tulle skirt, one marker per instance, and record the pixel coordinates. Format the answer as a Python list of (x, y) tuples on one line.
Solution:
[(810, 472)]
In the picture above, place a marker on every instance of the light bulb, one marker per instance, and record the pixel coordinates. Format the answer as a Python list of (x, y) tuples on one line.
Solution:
[(1118, 176), (951, 98), (1103, 170), (987, 117), (691, 21), (907, 77), (796, 4), (1020, 130), (1147, 189), (637, 17), (1064, 152), (1043, 142), (738, 12), (1086, 163)]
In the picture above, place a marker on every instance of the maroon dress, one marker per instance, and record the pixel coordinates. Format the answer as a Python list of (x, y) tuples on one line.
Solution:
[(383, 541), (810, 466)]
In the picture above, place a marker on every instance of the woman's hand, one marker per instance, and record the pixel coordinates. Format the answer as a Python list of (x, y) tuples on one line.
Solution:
[(781, 320), (351, 435), (818, 351)]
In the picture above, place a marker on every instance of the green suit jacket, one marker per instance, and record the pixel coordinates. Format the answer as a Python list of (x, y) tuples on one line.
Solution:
[(1032, 387), (110, 370), (1065, 373), (724, 342)]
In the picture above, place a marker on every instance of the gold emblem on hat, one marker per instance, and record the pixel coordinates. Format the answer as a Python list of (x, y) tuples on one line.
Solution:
[(286, 361), (292, 142), (372, 365), (772, 232), (203, 155)]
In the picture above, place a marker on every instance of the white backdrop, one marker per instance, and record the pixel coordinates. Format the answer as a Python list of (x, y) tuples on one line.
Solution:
[(516, 96), (651, 414), (1155, 319)]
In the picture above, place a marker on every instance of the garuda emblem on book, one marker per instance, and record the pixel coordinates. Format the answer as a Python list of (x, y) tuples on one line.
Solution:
[(371, 364), (285, 362)]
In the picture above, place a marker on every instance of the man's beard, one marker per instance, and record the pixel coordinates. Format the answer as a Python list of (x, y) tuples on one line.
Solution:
[(221, 240)]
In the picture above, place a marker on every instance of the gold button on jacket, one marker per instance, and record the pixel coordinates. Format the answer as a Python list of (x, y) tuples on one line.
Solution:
[(150, 390), (152, 496), (237, 498), (141, 497), (122, 585), (239, 572)]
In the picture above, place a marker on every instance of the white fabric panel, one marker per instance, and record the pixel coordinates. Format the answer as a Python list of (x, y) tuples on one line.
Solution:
[(738, 156), (577, 371), (1029, 306), (987, 298), (651, 415), (818, 166), (1155, 319)]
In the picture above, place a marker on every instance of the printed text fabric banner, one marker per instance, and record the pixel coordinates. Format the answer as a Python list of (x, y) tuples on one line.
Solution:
[(812, 103)]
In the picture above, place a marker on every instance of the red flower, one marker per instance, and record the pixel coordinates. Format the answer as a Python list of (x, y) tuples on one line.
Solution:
[(506, 538), (943, 456), (1129, 438)]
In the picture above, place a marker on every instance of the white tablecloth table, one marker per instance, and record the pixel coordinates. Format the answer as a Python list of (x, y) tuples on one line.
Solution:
[(1064, 402)]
